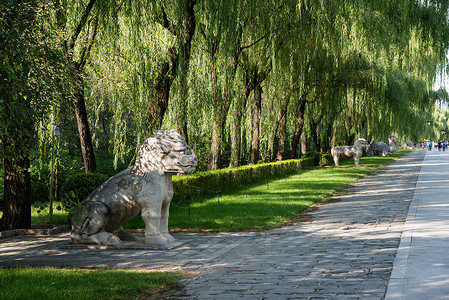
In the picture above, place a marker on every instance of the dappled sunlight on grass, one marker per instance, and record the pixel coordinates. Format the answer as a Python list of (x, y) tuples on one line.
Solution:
[(266, 205), (39, 216), (59, 215)]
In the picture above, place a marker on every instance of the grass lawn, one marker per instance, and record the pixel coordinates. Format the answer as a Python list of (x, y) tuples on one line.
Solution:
[(59, 216), (269, 204), (71, 283), (43, 216)]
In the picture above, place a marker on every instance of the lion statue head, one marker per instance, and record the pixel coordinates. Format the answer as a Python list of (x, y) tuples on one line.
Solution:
[(166, 152)]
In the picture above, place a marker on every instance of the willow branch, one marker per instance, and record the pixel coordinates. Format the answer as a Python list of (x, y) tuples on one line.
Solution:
[(86, 51), (81, 24)]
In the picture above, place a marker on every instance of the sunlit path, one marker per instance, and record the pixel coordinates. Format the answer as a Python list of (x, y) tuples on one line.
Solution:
[(421, 268)]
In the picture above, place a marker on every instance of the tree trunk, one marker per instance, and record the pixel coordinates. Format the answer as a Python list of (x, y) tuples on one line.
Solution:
[(282, 116), (218, 128), (303, 144), (218, 123), (327, 137), (256, 119), (349, 136), (235, 143), (215, 150), (181, 123), (299, 125), (271, 141), (161, 92), (281, 139), (83, 127), (17, 190), (220, 107), (80, 106), (273, 130), (314, 133), (236, 131), (184, 38), (236, 117), (258, 78)]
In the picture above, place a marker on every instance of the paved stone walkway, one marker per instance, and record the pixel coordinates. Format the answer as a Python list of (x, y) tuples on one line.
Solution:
[(344, 249)]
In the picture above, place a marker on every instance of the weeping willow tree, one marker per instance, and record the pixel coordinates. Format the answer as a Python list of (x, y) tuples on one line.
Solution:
[(139, 67), (244, 80), (130, 78), (215, 26), (381, 72), (78, 23)]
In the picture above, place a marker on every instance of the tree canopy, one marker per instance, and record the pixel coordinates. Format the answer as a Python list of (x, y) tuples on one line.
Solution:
[(349, 68)]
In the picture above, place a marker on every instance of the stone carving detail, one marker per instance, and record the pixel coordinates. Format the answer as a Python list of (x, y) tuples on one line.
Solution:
[(145, 189), (354, 152)]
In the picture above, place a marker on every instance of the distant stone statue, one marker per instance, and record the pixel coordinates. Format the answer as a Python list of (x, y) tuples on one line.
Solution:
[(392, 140), (381, 148), (145, 189), (354, 152), (378, 149)]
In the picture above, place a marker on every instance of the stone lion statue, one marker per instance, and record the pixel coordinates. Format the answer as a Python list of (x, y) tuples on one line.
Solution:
[(144, 189), (354, 152)]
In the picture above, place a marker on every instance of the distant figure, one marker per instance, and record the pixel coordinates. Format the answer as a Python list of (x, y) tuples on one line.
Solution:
[(430, 146)]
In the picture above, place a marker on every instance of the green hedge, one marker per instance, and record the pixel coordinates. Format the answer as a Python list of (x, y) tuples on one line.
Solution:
[(326, 159), (188, 187), (79, 186)]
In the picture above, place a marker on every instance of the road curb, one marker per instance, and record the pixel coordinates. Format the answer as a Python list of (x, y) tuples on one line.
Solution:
[(47, 230)]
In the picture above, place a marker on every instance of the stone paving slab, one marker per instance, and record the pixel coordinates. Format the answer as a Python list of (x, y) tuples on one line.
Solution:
[(344, 249)]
